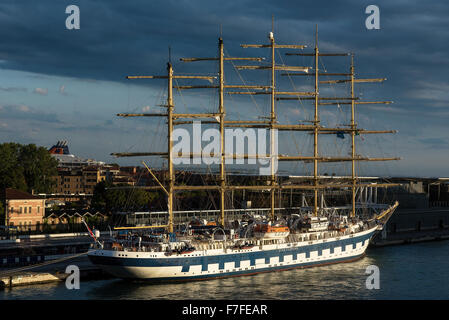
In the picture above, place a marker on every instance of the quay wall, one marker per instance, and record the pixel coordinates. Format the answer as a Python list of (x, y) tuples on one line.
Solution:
[(409, 225)]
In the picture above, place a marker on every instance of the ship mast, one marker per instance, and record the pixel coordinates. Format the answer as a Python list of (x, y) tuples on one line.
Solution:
[(169, 154), (272, 120), (353, 127), (221, 115), (171, 176), (315, 131), (221, 111)]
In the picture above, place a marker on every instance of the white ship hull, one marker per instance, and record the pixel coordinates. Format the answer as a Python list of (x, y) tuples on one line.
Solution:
[(204, 264)]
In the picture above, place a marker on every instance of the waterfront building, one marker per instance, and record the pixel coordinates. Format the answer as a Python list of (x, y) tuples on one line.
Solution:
[(22, 209), (78, 177)]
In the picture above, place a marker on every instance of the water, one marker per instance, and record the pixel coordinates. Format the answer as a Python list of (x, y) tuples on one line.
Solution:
[(417, 271)]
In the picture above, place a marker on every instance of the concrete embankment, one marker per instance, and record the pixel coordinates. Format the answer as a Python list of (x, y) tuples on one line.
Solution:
[(412, 225), (30, 278)]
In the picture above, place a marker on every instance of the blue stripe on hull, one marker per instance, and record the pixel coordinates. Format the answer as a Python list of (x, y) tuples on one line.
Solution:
[(252, 272)]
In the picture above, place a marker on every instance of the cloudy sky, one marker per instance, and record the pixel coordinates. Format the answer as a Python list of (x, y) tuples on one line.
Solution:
[(60, 84)]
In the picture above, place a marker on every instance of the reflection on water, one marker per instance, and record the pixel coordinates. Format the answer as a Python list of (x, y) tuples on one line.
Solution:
[(406, 272), (329, 282)]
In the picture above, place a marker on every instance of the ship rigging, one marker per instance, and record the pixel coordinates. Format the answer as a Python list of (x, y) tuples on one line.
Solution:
[(309, 238)]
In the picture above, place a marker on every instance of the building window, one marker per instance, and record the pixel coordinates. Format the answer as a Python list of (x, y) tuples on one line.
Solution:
[(29, 210), (38, 209), (11, 210), (25, 210)]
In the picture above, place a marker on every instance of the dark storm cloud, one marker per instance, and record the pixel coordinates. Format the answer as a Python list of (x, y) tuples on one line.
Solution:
[(118, 38)]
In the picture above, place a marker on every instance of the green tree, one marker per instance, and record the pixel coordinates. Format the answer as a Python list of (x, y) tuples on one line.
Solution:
[(27, 168), (39, 168), (137, 198), (99, 196), (109, 200), (11, 171)]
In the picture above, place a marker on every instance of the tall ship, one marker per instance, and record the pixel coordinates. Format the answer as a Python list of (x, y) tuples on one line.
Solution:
[(308, 234)]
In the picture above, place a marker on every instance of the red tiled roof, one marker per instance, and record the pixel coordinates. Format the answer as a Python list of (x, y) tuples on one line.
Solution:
[(14, 194)]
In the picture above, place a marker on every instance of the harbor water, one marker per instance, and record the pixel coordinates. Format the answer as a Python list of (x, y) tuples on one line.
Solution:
[(415, 271)]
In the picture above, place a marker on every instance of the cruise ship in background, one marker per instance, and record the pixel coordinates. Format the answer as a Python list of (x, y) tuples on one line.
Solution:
[(60, 151)]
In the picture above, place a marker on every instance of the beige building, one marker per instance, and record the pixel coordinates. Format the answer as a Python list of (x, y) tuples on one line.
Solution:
[(23, 209), (78, 181)]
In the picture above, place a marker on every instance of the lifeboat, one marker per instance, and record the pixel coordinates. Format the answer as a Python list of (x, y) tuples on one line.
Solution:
[(268, 231)]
